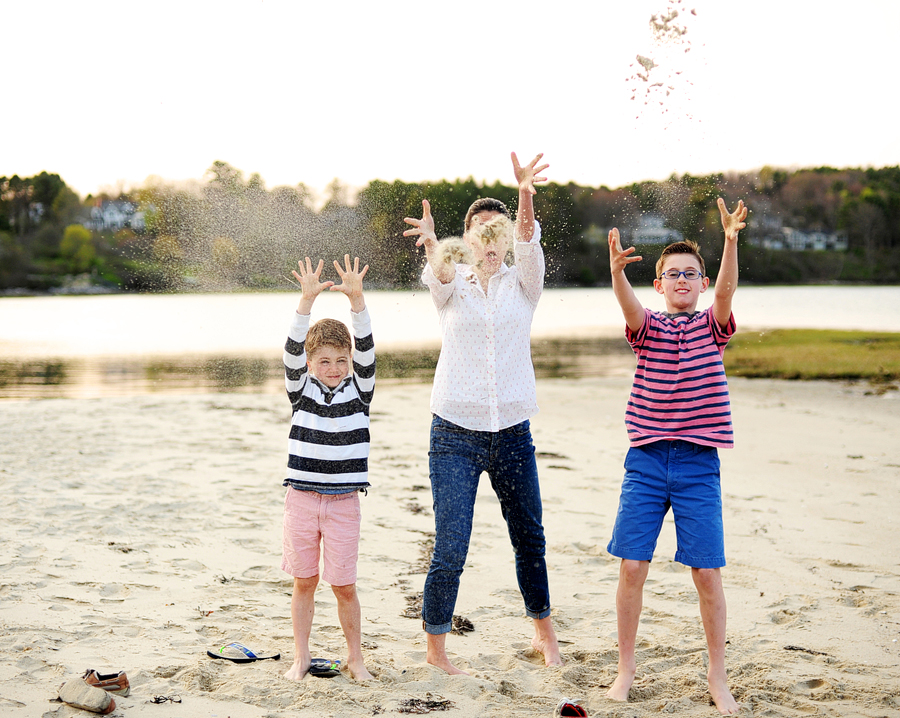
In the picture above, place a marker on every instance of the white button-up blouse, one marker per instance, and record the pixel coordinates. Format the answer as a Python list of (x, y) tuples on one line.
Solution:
[(484, 379)]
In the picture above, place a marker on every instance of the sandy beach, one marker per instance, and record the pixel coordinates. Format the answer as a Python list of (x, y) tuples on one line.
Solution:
[(140, 532)]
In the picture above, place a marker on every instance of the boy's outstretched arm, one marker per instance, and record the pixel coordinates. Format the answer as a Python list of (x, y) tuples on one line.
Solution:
[(525, 178), (424, 228), (620, 258), (726, 282), (351, 282), (310, 284)]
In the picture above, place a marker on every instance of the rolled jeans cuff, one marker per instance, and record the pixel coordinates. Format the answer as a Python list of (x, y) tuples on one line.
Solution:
[(539, 615), (437, 630)]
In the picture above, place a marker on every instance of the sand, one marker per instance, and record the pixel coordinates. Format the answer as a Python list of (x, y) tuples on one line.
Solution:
[(139, 532)]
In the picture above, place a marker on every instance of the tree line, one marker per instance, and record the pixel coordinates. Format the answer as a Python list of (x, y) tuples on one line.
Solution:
[(229, 232)]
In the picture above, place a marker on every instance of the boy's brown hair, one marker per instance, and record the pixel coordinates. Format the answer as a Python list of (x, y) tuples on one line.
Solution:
[(486, 204), (328, 333), (685, 247)]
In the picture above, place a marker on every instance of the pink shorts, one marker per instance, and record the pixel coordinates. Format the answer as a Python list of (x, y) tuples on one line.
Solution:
[(333, 520)]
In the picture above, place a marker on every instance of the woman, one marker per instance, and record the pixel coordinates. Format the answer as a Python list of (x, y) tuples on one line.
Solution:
[(483, 396)]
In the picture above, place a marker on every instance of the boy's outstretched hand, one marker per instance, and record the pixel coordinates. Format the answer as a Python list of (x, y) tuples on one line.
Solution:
[(619, 258), (527, 176), (310, 284), (734, 222), (351, 282)]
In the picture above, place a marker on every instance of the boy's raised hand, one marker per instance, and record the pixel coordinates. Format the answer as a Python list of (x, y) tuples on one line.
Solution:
[(619, 258), (734, 222), (423, 227), (351, 282), (309, 284), (309, 279), (526, 176)]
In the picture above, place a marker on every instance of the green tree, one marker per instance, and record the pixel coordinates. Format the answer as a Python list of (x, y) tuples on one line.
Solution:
[(77, 249)]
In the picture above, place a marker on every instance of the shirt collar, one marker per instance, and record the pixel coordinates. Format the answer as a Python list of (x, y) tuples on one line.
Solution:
[(331, 393), (472, 278)]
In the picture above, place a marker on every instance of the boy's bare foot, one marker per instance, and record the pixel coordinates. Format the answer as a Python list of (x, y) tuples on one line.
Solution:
[(721, 695), (545, 643), (298, 671), (620, 688), (358, 671)]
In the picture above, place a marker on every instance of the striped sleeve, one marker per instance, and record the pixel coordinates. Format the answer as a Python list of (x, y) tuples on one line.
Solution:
[(363, 355), (295, 368)]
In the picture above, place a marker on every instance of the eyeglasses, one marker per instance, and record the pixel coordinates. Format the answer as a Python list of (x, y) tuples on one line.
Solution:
[(689, 274)]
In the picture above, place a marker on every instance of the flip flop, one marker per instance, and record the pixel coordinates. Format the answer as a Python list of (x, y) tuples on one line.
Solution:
[(239, 653), (324, 668)]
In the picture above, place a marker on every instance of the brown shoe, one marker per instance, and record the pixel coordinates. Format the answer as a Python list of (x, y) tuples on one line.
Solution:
[(89, 698), (110, 682)]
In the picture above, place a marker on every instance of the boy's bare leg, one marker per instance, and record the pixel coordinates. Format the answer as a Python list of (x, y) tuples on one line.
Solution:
[(629, 602), (303, 606), (545, 642), (713, 612), (350, 616), (436, 654)]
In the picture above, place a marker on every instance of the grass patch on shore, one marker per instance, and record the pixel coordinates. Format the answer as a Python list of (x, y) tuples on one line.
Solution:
[(815, 354)]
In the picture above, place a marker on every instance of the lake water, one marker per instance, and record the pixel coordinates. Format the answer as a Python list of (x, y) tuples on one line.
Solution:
[(138, 343)]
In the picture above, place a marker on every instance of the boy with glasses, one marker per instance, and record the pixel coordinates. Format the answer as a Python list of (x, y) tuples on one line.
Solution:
[(678, 416)]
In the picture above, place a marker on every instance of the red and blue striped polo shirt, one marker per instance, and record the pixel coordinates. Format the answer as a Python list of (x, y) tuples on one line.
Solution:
[(680, 390)]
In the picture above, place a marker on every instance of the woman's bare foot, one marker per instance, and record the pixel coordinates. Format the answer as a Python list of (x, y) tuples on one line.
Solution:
[(620, 688), (545, 643), (721, 695), (436, 654)]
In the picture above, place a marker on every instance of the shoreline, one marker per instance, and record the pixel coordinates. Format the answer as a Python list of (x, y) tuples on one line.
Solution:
[(127, 519)]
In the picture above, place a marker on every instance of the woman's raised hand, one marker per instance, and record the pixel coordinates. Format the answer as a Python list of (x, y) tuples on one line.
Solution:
[(424, 227), (526, 176)]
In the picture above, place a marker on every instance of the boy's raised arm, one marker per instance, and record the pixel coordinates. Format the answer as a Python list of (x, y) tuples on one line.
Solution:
[(726, 282), (620, 258), (310, 284), (525, 178), (424, 228), (351, 282)]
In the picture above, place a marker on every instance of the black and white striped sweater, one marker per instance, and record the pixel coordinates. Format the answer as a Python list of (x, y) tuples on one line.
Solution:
[(328, 448)]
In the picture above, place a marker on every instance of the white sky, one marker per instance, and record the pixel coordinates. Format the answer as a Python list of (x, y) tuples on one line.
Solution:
[(108, 93)]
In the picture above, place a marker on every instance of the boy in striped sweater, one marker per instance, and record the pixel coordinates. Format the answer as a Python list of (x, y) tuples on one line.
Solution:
[(678, 416), (328, 451)]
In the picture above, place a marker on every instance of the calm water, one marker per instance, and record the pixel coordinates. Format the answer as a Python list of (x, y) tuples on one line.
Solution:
[(123, 344)]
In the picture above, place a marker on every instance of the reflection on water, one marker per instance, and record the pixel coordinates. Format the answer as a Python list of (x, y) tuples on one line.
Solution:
[(87, 378)]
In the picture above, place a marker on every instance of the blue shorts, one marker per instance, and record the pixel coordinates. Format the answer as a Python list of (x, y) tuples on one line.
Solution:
[(679, 474)]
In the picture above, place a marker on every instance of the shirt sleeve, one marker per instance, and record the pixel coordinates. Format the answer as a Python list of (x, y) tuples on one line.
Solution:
[(530, 265), (636, 339), (295, 369), (363, 355), (440, 292), (721, 335)]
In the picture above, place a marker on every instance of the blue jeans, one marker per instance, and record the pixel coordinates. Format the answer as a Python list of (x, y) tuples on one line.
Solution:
[(456, 459)]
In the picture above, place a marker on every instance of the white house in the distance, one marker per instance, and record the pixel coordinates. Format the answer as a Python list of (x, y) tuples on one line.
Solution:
[(771, 234), (113, 215), (651, 229)]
